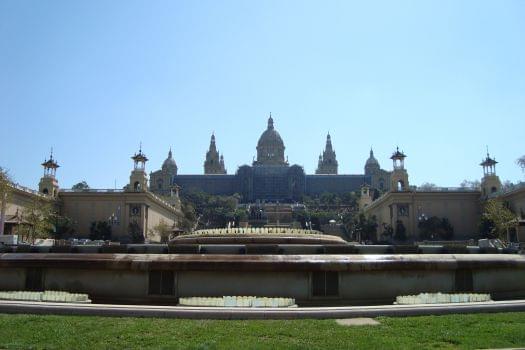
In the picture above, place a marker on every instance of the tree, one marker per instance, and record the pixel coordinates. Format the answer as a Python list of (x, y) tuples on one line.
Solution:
[(208, 211), (135, 233), (100, 230), (350, 198), (446, 230), (507, 186), (38, 216), (401, 232), (6, 190), (427, 186), (364, 229), (81, 186), (434, 227), (64, 226), (240, 215), (163, 230), (521, 162), (496, 219), (388, 232), (189, 220), (471, 185)]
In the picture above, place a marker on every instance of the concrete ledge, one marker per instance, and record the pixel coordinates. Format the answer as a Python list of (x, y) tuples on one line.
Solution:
[(262, 262), (19, 307)]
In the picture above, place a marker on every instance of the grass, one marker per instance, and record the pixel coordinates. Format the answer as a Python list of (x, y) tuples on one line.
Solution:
[(425, 332)]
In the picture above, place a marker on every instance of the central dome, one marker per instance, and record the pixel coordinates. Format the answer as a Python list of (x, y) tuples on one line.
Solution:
[(270, 148)]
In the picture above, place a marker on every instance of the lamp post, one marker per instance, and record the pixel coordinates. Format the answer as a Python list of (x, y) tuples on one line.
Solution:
[(423, 218)]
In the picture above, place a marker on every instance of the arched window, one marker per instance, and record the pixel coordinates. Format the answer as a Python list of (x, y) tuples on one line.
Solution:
[(45, 191), (493, 190), (136, 186), (400, 185)]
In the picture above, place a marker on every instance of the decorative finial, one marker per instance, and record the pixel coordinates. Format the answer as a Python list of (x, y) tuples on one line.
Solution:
[(51, 154), (140, 147), (270, 121), (169, 153)]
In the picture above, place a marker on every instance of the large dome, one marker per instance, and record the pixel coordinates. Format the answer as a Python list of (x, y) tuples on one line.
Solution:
[(270, 147), (270, 137)]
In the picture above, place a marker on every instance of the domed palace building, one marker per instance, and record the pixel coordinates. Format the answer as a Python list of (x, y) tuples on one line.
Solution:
[(270, 178)]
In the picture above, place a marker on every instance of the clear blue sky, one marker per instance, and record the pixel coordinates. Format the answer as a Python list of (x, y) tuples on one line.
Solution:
[(441, 79)]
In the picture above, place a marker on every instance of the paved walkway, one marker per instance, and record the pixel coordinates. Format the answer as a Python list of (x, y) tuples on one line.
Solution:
[(25, 307)]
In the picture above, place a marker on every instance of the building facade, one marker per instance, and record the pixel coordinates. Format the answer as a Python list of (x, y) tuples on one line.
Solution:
[(270, 178), (133, 208), (405, 206)]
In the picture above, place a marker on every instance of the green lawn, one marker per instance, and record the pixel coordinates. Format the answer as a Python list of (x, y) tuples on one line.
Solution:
[(425, 332)]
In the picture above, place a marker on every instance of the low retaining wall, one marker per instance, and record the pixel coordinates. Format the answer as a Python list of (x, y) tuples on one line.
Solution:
[(265, 245), (310, 279)]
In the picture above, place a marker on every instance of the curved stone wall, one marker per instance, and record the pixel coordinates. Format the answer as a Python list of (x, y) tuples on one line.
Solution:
[(310, 279)]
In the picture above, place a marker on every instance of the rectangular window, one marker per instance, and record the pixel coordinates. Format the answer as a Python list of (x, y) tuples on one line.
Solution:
[(325, 284), (34, 279), (161, 283)]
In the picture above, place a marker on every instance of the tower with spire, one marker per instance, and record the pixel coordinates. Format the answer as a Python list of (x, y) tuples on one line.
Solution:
[(490, 183), (327, 160), (48, 184), (214, 163), (399, 176), (138, 180)]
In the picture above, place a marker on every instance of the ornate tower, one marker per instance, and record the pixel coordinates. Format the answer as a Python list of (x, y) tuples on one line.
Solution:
[(138, 180), (327, 161), (366, 197), (214, 164), (270, 148), (399, 176), (490, 183), (48, 184)]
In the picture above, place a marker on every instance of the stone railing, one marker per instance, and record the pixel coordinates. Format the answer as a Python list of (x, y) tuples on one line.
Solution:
[(26, 189), (446, 189), (93, 190), (111, 190)]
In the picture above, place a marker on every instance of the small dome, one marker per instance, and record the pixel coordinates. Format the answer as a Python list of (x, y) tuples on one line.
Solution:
[(169, 164), (372, 160)]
